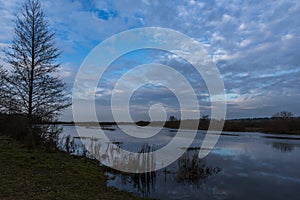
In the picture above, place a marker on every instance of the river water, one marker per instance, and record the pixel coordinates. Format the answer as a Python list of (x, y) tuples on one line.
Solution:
[(242, 165)]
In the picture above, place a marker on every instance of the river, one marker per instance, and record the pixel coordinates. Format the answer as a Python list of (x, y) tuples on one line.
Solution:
[(242, 165)]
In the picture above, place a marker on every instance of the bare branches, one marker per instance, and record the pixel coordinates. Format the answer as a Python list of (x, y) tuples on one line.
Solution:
[(283, 115), (31, 84)]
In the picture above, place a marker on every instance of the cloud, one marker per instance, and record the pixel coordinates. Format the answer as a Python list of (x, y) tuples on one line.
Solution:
[(255, 44)]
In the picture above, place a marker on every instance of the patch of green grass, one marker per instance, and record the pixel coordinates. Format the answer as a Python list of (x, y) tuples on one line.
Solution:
[(36, 174)]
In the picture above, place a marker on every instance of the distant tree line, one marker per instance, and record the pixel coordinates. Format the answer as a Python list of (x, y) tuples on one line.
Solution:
[(283, 115), (281, 122)]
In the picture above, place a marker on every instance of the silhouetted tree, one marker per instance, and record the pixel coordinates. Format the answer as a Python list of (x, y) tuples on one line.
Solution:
[(172, 119), (205, 117), (33, 79), (2, 92), (283, 115), (8, 104)]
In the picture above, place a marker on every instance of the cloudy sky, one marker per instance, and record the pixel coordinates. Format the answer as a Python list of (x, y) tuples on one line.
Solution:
[(254, 44)]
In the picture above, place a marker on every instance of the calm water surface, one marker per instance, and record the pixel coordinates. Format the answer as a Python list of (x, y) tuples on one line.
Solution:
[(241, 166)]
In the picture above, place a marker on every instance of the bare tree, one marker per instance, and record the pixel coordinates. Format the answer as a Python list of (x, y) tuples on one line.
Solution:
[(283, 115), (8, 105), (204, 117), (2, 92), (33, 79), (173, 119)]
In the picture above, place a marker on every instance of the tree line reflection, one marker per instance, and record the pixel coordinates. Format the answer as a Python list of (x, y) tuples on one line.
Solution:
[(189, 168)]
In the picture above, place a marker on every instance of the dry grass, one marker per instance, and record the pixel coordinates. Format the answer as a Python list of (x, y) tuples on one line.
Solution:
[(36, 174)]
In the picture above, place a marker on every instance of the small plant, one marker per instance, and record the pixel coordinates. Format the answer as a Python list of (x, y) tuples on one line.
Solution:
[(193, 169)]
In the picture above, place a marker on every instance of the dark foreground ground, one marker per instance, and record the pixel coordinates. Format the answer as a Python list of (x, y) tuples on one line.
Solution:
[(36, 174)]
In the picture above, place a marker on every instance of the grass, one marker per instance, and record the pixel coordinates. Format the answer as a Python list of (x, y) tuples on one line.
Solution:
[(36, 174)]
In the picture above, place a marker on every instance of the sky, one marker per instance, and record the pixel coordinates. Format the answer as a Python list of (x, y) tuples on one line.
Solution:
[(254, 44)]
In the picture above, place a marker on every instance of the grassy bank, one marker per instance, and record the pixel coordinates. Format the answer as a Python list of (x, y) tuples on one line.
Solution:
[(36, 174)]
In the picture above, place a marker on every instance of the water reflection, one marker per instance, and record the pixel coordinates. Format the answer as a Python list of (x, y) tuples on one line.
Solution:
[(72, 145), (144, 183), (110, 153), (248, 166), (192, 169), (189, 168), (283, 147)]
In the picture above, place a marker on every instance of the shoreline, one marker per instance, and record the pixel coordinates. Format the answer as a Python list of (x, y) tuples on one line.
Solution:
[(37, 174), (261, 125)]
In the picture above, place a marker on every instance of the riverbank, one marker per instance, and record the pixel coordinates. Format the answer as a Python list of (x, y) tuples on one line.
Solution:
[(263, 125), (36, 174)]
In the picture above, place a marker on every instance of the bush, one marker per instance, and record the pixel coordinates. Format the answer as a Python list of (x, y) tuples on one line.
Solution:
[(14, 126)]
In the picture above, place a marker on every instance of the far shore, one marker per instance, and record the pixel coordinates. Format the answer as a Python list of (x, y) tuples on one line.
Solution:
[(263, 125)]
